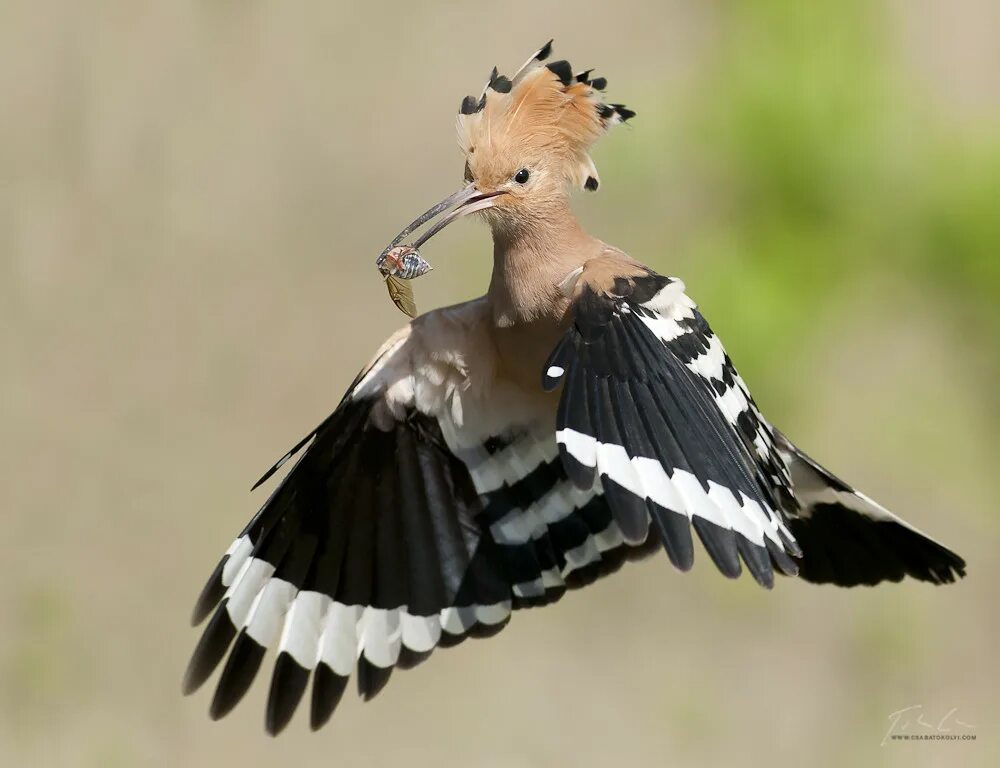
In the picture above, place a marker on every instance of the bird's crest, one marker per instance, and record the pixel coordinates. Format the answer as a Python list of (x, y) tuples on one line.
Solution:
[(545, 106)]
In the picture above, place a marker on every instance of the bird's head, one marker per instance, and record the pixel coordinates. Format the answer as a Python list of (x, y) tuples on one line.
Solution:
[(527, 141)]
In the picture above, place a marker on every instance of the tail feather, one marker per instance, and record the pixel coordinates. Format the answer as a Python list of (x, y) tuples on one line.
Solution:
[(848, 539)]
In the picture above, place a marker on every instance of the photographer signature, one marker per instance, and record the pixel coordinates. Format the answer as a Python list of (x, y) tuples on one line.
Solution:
[(901, 719)]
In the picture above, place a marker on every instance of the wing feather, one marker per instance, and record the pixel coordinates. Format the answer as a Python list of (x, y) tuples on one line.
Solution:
[(663, 444), (398, 529)]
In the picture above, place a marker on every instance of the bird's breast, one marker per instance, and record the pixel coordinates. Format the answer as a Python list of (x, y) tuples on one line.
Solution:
[(523, 348)]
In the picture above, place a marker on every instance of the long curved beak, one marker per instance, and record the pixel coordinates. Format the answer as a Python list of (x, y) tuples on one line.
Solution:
[(467, 200)]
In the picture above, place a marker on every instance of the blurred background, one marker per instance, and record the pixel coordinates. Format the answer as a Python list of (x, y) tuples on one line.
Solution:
[(191, 198)]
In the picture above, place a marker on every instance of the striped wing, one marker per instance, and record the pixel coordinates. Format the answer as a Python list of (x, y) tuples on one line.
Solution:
[(404, 525), (652, 405), (368, 547)]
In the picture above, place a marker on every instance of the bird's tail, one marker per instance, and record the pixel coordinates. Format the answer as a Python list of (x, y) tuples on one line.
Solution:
[(847, 539)]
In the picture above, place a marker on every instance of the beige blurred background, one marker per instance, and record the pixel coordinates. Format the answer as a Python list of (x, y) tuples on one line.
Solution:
[(191, 197)]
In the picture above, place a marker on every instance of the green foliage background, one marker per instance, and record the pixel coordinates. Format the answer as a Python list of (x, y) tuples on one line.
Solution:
[(191, 195)]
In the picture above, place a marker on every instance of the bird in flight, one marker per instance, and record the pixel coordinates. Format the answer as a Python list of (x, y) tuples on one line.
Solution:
[(496, 453)]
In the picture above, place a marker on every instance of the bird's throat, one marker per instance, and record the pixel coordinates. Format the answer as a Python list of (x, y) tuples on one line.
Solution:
[(530, 262)]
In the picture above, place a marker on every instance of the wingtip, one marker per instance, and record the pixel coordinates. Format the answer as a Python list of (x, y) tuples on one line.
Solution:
[(675, 535), (288, 684), (328, 690), (721, 545), (371, 678), (188, 683), (211, 594), (951, 570), (211, 648), (237, 676)]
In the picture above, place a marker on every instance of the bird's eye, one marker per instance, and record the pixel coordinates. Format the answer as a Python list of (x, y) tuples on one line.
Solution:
[(521, 177)]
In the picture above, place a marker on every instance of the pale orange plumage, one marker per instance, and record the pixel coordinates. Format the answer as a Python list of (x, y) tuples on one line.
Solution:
[(541, 119)]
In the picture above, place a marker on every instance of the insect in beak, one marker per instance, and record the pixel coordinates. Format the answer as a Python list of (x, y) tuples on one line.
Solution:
[(398, 262), (404, 262)]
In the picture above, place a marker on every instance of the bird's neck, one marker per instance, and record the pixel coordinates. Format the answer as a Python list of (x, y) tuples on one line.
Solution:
[(530, 260)]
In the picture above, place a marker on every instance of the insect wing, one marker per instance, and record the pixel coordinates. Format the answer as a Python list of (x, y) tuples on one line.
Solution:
[(402, 295)]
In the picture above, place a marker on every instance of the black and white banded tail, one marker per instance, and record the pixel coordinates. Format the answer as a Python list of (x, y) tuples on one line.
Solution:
[(847, 539)]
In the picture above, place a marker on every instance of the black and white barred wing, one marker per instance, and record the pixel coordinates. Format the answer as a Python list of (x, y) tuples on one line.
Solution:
[(368, 555), (420, 513), (652, 406)]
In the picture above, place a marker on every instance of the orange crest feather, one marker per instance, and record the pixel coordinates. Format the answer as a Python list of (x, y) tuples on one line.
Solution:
[(544, 109)]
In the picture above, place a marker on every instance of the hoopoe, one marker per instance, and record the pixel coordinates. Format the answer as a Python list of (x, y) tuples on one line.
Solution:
[(496, 453)]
